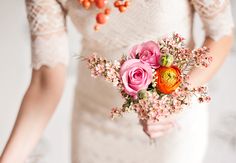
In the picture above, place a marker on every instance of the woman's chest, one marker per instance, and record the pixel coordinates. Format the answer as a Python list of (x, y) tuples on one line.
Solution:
[(143, 19)]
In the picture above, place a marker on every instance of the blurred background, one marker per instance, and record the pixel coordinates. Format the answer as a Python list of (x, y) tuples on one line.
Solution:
[(15, 76)]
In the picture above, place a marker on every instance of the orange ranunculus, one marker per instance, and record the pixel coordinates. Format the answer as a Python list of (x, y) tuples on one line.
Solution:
[(168, 79)]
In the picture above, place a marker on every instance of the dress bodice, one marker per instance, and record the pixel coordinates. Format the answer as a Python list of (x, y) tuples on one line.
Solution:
[(143, 20)]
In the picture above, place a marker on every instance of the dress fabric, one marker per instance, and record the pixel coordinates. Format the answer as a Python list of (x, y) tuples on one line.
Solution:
[(95, 138)]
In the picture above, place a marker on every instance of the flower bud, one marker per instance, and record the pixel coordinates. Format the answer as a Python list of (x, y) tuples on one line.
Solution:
[(142, 94), (166, 60)]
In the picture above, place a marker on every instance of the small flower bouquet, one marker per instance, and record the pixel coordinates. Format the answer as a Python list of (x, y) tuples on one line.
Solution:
[(153, 77)]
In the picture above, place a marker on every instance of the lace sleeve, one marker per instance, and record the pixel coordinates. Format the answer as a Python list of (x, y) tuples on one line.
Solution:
[(48, 33), (216, 16)]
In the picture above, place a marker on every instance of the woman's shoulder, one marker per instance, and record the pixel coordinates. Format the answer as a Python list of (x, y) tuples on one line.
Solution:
[(210, 8)]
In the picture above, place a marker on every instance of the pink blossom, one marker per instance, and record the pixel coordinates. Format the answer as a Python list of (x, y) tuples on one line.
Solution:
[(135, 76), (147, 52), (133, 73)]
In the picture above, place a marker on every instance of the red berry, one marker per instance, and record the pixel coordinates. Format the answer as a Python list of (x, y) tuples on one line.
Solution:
[(96, 27), (86, 4), (107, 11), (127, 3), (117, 3), (101, 18), (100, 3), (122, 8)]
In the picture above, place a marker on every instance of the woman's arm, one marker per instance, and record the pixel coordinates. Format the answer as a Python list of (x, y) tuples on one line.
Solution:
[(198, 76), (49, 58), (37, 107), (218, 24), (219, 50)]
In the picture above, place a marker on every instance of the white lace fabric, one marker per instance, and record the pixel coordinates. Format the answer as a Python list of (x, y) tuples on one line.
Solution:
[(216, 16), (48, 30), (48, 27), (50, 50), (96, 139)]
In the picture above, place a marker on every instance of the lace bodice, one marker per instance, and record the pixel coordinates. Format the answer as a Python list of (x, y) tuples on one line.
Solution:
[(48, 25)]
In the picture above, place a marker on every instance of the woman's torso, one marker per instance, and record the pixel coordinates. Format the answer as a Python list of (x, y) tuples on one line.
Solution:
[(144, 20)]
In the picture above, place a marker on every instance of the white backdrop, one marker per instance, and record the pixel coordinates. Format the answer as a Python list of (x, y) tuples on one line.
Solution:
[(15, 76)]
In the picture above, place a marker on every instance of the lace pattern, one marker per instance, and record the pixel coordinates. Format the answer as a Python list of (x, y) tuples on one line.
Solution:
[(158, 17), (48, 29), (216, 16), (45, 16), (50, 50)]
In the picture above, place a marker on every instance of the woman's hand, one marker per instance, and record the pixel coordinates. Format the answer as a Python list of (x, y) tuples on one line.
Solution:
[(157, 129)]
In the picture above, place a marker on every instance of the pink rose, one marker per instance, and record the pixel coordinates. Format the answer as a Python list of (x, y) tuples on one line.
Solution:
[(135, 76), (147, 52)]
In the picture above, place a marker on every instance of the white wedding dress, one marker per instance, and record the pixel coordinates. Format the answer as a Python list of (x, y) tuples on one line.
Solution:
[(95, 138)]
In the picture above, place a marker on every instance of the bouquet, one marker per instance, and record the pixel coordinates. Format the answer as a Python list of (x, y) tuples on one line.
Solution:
[(153, 77)]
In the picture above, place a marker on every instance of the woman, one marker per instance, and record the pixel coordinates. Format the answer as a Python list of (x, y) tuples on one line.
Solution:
[(95, 138)]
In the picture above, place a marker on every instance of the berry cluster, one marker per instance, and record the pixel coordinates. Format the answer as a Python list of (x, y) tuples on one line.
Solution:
[(102, 5)]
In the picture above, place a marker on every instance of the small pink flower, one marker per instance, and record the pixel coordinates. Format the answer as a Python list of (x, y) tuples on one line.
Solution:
[(135, 76), (147, 52)]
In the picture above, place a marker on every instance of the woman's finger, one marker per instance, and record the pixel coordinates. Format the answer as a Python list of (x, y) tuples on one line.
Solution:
[(158, 127), (151, 122), (162, 122), (156, 135)]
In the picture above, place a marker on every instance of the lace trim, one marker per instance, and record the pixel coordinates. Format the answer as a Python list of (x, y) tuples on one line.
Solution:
[(48, 29), (50, 50), (216, 16)]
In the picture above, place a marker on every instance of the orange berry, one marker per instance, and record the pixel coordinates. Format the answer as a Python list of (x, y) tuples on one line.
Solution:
[(107, 11), (122, 8), (100, 3), (86, 4), (117, 3), (127, 3), (96, 27), (101, 18)]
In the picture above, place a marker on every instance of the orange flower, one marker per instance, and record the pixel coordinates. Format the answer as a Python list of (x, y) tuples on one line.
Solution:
[(168, 79)]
